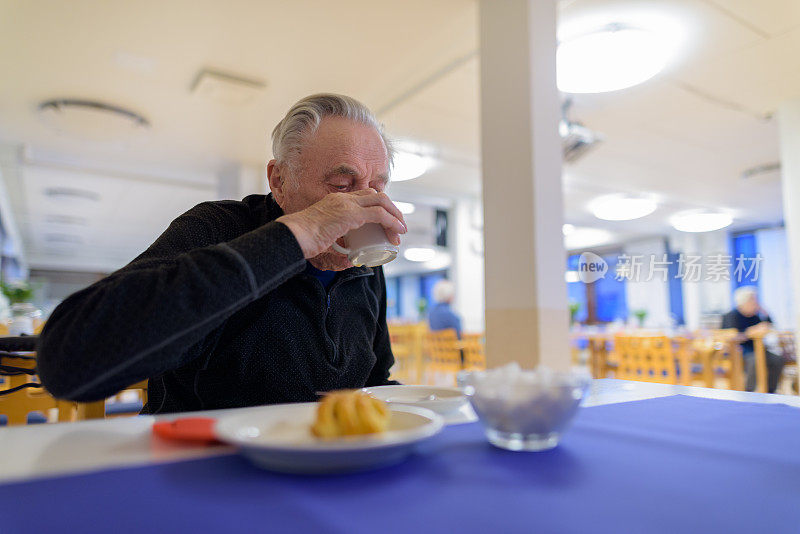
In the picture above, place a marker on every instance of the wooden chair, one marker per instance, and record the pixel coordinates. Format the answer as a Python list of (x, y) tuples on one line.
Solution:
[(579, 348), (645, 358), (408, 350), (786, 342), (474, 348), (600, 353), (694, 366), (444, 357), (18, 404), (788, 345), (726, 358), (131, 400)]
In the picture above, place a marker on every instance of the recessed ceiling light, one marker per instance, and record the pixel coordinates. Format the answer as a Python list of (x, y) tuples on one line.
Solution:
[(419, 254), (612, 58), (621, 207), (582, 238), (699, 221), (567, 229), (406, 208), (227, 88), (66, 239), (71, 193), (65, 219), (407, 166)]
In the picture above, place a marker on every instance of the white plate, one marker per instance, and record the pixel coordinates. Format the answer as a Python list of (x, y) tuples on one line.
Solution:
[(279, 438), (442, 400)]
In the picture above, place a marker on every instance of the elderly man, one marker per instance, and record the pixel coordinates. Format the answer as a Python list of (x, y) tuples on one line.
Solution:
[(441, 316), (749, 318), (246, 303)]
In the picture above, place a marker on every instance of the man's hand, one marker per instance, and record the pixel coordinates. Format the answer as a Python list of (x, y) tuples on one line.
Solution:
[(759, 330), (320, 224)]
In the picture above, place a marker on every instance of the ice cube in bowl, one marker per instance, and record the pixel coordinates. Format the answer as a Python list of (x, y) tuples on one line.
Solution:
[(525, 410)]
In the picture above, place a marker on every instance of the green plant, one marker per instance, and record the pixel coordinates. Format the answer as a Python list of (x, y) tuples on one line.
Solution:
[(422, 306), (17, 291), (574, 308), (640, 315)]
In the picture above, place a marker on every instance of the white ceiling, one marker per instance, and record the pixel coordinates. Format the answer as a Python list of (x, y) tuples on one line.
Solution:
[(685, 136)]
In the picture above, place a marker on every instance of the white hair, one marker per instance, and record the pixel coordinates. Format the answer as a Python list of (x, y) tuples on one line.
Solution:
[(304, 117), (444, 291), (742, 295)]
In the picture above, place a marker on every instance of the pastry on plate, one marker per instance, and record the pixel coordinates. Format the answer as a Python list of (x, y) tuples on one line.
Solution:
[(350, 413)]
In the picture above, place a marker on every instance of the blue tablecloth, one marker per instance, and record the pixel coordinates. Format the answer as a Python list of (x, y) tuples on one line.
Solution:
[(674, 464)]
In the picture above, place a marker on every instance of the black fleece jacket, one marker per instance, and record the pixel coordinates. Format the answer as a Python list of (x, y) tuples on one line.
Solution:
[(218, 313)]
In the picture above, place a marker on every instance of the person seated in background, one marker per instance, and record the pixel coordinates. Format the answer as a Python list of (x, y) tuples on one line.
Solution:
[(750, 318), (441, 316), (242, 303)]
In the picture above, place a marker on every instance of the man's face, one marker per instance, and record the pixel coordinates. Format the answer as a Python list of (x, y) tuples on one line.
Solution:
[(341, 156), (750, 307)]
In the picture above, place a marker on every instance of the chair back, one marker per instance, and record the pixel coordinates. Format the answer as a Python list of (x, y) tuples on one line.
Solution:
[(18, 404), (407, 347), (724, 356), (444, 357), (760, 356), (599, 355), (788, 345), (23, 399), (645, 358), (474, 348)]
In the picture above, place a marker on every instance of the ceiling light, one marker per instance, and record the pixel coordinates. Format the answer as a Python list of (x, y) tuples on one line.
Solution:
[(407, 166), (621, 207), (65, 219), (71, 193), (567, 229), (406, 208), (419, 254), (91, 121), (582, 238), (613, 58), (227, 88), (65, 239), (699, 221)]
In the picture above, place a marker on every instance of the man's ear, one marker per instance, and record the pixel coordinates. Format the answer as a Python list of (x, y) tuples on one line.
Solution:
[(275, 180)]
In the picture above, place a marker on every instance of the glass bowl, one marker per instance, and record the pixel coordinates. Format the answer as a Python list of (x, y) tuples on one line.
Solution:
[(525, 410)]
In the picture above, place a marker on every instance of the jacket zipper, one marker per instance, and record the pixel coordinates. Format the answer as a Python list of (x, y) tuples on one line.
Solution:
[(328, 293)]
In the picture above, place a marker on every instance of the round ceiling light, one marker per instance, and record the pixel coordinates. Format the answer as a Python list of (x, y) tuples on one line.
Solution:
[(407, 166), (91, 121), (621, 207), (406, 208), (581, 238), (613, 58), (700, 221), (419, 254)]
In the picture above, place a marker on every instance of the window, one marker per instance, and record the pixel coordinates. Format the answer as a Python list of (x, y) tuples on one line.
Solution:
[(602, 301)]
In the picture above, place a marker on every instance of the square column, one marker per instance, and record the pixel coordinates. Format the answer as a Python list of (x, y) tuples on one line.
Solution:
[(789, 132), (526, 295)]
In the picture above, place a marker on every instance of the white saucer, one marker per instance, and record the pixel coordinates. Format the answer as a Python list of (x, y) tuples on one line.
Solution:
[(278, 438), (442, 400)]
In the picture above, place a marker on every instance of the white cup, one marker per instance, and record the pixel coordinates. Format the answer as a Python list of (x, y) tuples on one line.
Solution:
[(367, 246)]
